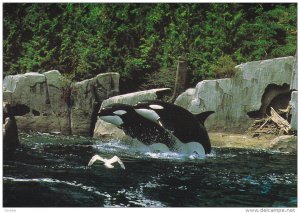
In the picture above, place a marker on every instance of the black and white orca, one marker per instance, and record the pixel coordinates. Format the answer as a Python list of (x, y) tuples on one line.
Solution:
[(136, 126), (184, 125)]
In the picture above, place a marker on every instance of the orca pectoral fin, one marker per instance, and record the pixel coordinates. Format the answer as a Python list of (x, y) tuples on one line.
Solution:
[(203, 116), (148, 114), (113, 119)]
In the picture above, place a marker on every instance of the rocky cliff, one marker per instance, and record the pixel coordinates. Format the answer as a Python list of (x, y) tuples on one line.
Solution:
[(236, 101), (48, 102), (294, 96)]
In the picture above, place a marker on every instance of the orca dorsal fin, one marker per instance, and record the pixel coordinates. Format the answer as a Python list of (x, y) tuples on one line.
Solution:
[(201, 117)]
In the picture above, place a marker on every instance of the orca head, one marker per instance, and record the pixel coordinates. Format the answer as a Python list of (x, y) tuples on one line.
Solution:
[(115, 113)]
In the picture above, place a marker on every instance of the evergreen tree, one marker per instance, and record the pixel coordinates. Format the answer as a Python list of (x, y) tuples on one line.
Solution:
[(143, 41)]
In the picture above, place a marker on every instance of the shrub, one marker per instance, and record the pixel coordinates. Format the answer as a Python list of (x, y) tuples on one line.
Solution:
[(224, 67), (164, 77)]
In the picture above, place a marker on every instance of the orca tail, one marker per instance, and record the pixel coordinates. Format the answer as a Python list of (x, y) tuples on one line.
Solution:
[(203, 116)]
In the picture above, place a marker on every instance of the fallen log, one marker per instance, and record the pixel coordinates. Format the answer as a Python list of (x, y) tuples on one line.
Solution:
[(267, 120), (279, 121)]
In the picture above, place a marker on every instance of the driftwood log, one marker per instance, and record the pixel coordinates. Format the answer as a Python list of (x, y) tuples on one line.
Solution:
[(274, 124), (280, 122)]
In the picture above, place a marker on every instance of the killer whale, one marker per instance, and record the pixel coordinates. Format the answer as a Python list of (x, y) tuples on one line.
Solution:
[(184, 125), (136, 126)]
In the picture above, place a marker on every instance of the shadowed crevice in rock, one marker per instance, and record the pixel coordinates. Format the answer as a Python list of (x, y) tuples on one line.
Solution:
[(48, 102), (232, 98), (35, 112), (276, 96), (96, 109), (20, 109)]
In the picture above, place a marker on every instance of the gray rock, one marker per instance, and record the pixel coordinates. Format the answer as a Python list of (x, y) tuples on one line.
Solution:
[(294, 82), (232, 99), (47, 102), (29, 89), (59, 99), (7, 96), (87, 96), (44, 123), (135, 97), (42, 94), (294, 104), (106, 130)]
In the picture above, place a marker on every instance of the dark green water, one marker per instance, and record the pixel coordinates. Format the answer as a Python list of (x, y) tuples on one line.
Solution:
[(51, 171)]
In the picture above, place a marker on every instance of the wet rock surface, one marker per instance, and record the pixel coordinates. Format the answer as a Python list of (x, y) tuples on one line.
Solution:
[(48, 102), (233, 98)]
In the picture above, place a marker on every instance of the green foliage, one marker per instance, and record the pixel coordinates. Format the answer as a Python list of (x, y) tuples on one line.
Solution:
[(143, 41), (224, 67), (162, 78)]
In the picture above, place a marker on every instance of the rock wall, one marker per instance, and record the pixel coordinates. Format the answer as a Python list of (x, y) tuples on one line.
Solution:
[(48, 102), (294, 96), (87, 97), (233, 99), (294, 104), (294, 81)]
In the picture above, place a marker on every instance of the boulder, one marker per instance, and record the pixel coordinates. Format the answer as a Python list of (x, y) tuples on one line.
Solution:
[(48, 102), (294, 104), (37, 101), (58, 89), (294, 99), (10, 131), (294, 81), (107, 130), (87, 97), (7, 96), (28, 89), (233, 99), (135, 97)]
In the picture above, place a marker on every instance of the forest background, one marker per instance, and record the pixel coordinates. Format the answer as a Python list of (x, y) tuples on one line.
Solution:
[(143, 41)]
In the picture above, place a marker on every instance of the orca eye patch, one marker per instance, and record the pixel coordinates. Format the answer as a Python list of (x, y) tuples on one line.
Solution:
[(120, 112), (155, 106)]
